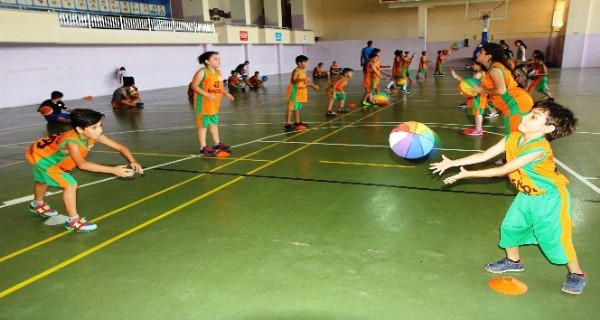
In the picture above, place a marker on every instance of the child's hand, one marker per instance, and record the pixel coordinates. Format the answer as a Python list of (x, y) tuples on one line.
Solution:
[(123, 172), (229, 96), (315, 86), (455, 75), (463, 174), (137, 167), (440, 167), (477, 89), (211, 97)]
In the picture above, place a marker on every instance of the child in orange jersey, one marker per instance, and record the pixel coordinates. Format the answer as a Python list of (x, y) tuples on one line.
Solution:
[(540, 77), (475, 105), (423, 65), (335, 91), (541, 211), (372, 77), (208, 86), (55, 156), (297, 93)]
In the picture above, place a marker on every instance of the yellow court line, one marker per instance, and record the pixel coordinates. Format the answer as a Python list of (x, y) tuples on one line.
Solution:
[(59, 235), (11, 164), (384, 165), (168, 213)]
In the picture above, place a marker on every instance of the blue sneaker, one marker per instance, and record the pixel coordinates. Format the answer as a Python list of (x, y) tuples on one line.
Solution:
[(574, 284), (504, 265), (80, 225), (43, 210)]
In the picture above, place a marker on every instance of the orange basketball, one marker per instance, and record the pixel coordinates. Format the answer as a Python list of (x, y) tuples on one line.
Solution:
[(46, 111), (352, 105)]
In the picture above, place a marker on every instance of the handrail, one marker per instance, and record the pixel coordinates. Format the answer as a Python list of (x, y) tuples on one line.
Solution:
[(87, 20)]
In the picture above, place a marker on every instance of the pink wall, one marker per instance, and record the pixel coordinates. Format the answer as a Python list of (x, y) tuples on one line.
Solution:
[(581, 51), (34, 71)]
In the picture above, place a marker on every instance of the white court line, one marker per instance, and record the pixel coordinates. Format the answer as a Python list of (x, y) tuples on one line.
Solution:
[(578, 176), (261, 140), (30, 197), (356, 145)]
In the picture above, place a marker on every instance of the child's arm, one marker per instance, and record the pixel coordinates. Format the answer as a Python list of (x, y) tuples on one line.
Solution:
[(83, 164), (295, 78), (196, 86), (446, 163), (455, 75), (123, 150), (504, 170), (497, 80)]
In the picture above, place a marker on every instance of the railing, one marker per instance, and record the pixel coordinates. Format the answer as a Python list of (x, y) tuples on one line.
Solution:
[(87, 20)]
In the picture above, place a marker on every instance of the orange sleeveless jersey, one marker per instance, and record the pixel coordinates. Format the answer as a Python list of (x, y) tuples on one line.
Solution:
[(515, 100), (297, 92), (538, 176), (50, 154), (211, 83)]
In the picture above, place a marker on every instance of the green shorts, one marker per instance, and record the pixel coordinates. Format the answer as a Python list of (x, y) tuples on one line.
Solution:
[(294, 106), (541, 219), (53, 179), (203, 121)]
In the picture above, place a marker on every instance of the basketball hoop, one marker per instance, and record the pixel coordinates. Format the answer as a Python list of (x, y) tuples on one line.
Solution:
[(486, 22)]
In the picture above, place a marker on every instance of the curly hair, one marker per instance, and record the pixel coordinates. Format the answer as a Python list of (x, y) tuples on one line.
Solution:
[(559, 116)]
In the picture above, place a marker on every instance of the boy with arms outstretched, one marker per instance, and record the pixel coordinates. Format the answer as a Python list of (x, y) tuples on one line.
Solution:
[(541, 212), (55, 156)]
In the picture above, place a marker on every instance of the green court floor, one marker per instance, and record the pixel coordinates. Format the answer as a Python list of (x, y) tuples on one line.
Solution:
[(327, 223)]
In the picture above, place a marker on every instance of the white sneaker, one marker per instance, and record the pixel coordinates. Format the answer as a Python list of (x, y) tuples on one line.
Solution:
[(491, 115)]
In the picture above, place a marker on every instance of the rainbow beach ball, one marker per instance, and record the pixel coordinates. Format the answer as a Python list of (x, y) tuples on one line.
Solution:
[(412, 140), (381, 99), (465, 87)]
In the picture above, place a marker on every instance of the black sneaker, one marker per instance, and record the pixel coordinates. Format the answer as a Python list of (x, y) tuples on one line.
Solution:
[(289, 127), (330, 114), (221, 147), (139, 105), (206, 152)]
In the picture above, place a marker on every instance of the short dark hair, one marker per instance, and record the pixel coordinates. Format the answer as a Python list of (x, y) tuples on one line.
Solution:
[(128, 81), (370, 42), (559, 116), (301, 58), (205, 56), (56, 95), (346, 70), (122, 68), (84, 118)]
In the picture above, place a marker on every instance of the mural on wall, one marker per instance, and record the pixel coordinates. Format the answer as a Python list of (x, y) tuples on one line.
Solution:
[(158, 8)]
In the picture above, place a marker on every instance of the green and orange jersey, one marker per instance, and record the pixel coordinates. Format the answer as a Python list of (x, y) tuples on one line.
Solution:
[(338, 84), (397, 66), (211, 83), (371, 77), (423, 62), (50, 153), (514, 100), (538, 176), (297, 92)]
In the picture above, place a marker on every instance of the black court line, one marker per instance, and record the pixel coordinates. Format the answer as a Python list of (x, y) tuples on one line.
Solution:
[(339, 182)]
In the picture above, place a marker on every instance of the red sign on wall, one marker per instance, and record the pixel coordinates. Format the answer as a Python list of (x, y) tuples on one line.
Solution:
[(243, 35)]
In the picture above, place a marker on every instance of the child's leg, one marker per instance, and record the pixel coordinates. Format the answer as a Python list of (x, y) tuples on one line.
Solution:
[(574, 267), (288, 116), (70, 200), (202, 137), (479, 122), (389, 85), (329, 103), (39, 191), (214, 133), (297, 116), (342, 103), (513, 254)]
